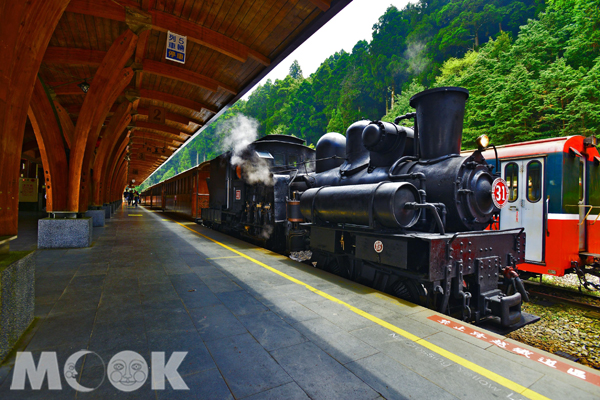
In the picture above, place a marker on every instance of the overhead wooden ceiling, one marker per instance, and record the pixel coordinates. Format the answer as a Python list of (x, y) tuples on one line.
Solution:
[(231, 45)]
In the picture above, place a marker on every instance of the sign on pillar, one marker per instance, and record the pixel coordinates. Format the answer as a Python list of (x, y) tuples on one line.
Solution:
[(176, 45)]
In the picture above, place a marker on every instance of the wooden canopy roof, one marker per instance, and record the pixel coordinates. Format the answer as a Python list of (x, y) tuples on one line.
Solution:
[(231, 45)]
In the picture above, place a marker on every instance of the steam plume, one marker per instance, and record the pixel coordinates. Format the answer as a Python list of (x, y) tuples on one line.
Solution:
[(415, 55), (237, 134)]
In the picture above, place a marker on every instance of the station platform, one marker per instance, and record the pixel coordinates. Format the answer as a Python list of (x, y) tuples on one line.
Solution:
[(256, 325)]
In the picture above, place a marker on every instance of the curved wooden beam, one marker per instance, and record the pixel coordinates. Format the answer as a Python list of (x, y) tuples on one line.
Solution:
[(120, 81), (181, 119), (110, 166), (140, 51), (179, 101), (25, 26), (115, 127), (154, 143), (163, 128), (95, 107), (154, 136), (66, 123), (118, 178), (185, 75), (52, 149)]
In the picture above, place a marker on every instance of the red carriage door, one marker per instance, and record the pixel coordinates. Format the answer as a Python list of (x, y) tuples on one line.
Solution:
[(525, 179)]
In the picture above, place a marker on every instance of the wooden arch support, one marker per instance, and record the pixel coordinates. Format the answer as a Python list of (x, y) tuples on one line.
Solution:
[(120, 81), (25, 26), (169, 116), (115, 127), (52, 150), (142, 125), (65, 121), (117, 155), (179, 101), (106, 86), (117, 174), (120, 178)]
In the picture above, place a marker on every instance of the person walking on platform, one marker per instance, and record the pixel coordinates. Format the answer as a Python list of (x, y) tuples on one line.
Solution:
[(129, 198), (136, 200)]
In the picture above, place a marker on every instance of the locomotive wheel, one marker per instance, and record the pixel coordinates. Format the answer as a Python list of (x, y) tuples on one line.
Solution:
[(409, 290)]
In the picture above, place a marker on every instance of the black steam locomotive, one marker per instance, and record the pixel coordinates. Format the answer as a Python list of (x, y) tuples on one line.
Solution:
[(391, 207)]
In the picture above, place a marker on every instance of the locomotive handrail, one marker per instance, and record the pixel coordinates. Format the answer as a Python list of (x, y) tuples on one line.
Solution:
[(433, 208), (398, 161), (292, 180), (416, 149)]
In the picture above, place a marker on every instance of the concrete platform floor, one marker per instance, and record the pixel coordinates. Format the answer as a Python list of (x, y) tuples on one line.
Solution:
[(255, 325)]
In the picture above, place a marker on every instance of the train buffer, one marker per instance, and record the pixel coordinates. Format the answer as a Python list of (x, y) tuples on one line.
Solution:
[(253, 323)]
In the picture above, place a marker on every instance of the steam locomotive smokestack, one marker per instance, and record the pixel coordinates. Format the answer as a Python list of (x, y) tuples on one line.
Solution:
[(440, 114)]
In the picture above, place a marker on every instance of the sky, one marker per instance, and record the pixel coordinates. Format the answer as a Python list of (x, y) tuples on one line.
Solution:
[(355, 22)]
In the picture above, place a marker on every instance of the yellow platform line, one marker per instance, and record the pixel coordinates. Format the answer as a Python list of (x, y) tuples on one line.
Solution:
[(219, 258), (499, 379), (134, 215)]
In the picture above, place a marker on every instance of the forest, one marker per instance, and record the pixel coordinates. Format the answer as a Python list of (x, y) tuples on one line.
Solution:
[(532, 69)]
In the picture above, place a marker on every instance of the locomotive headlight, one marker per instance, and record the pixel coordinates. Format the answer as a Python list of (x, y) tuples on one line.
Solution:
[(483, 142)]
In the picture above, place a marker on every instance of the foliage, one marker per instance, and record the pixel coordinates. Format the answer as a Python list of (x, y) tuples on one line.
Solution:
[(543, 84), (532, 70)]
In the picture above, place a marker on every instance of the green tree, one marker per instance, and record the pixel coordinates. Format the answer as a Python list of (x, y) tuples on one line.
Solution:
[(185, 162), (336, 124), (295, 70), (170, 173)]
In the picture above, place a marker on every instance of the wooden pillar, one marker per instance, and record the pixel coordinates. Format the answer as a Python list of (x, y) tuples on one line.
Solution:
[(50, 142), (120, 178), (66, 124), (119, 84), (117, 155), (116, 126), (25, 30), (118, 165), (108, 79)]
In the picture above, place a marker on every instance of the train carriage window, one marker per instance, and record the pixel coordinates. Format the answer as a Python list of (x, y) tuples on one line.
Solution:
[(534, 181), (511, 175), (292, 161), (279, 159)]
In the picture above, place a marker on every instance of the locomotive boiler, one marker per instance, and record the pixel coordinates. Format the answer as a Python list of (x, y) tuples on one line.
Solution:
[(395, 208)]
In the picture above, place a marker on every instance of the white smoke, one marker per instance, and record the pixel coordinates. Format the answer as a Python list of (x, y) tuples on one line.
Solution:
[(266, 232), (415, 55), (237, 134)]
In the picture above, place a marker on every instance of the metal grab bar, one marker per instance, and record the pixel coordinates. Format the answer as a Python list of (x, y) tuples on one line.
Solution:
[(588, 213)]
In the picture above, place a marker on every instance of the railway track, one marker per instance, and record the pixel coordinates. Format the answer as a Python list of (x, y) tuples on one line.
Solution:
[(560, 295)]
